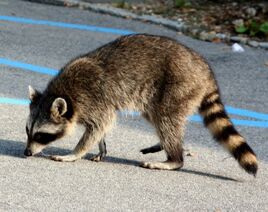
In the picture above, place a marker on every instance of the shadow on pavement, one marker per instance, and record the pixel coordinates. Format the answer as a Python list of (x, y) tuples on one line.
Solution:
[(12, 148), (16, 149), (123, 161), (214, 176), (115, 160)]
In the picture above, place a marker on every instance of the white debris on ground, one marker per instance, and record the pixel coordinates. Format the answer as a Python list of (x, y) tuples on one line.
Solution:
[(237, 48)]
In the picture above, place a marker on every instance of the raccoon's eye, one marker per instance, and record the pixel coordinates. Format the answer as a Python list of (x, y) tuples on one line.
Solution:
[(45, 138), (37, 137)]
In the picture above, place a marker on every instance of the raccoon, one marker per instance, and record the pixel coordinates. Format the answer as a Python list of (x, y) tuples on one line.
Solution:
[(157, 76)]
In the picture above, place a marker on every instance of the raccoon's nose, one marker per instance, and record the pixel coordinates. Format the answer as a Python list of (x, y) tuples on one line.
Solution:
[(27, 152)]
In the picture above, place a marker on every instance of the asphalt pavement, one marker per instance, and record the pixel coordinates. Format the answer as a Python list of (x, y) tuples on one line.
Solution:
[(36, 40)]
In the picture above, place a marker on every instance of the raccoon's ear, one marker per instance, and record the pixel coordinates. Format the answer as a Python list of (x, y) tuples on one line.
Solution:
[(33, 94), (59, 107)]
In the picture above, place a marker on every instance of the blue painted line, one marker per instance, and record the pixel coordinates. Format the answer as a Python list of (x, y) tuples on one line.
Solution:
[(44, 70), (28, 67), (248, 123), (240, 112), (194, 118), (248, 113), (66, 25), (130, 113), (230, 110), (13, 101), (261, 124)]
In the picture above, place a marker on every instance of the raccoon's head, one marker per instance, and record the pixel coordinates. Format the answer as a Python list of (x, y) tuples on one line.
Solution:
[(49, 119)]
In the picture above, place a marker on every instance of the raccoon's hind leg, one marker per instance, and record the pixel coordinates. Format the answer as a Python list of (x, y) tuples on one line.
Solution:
[(169, 118), (152, 149), (101, 155), (170, 133)]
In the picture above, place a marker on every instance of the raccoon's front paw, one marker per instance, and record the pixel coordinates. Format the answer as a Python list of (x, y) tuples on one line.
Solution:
[(64, 158)]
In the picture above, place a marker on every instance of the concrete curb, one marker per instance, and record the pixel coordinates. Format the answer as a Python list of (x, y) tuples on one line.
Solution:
[(173, 25)]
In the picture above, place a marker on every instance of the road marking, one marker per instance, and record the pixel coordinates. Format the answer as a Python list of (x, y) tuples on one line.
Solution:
[(28, 67), (240, 122), (53, 72), (194, 118), (12, 101), (66, 25), (248, 113)]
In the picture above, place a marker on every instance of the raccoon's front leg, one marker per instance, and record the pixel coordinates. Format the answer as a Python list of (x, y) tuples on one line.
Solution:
[(96, 128), (88, 139), (101, 155)]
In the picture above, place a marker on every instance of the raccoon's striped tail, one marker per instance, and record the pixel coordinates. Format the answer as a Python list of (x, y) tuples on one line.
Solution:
[(222, 129)]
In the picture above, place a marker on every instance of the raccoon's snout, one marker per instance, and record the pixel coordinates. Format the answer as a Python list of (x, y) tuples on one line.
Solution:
[(28, 152)]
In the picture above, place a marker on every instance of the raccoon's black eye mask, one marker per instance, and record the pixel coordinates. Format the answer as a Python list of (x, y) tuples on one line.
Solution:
[(45, 138)]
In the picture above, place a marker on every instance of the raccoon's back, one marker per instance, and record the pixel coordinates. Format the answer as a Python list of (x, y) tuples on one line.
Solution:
[(140, 65), (140, 56), (132, 68), (133, 52)]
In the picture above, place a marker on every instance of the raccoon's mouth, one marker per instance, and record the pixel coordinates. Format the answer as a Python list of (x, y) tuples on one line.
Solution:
[(33, 149), (28, 153)]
